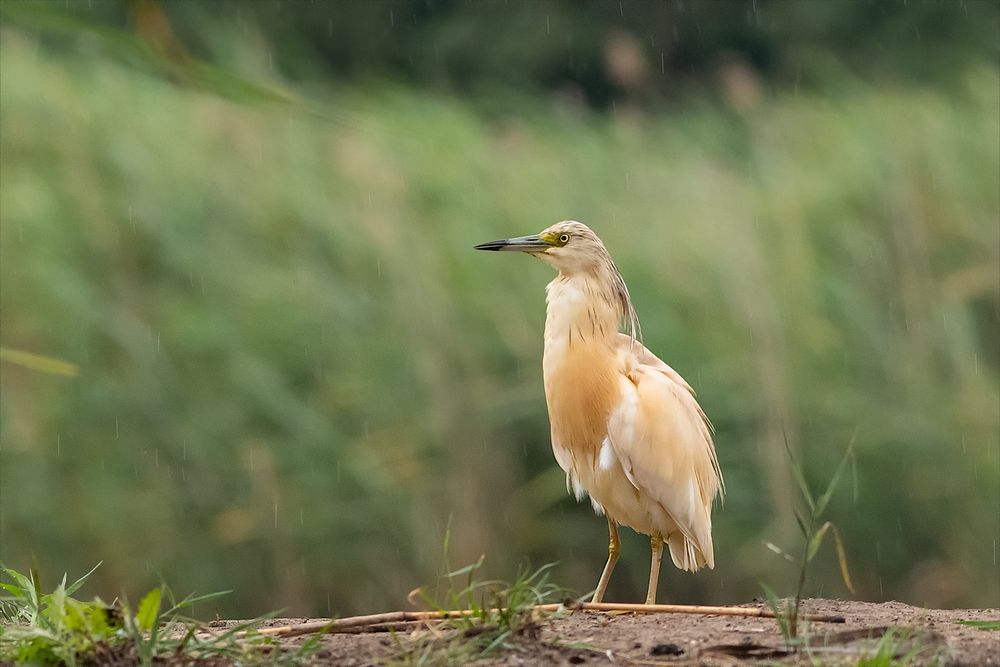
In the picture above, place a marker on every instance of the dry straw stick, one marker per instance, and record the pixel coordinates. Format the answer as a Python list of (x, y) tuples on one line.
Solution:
[(355, 623)]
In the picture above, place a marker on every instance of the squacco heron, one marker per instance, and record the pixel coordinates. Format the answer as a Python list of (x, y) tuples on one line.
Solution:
[(626, 427)]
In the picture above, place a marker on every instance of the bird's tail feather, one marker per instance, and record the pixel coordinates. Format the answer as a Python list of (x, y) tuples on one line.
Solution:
[(686, 554)]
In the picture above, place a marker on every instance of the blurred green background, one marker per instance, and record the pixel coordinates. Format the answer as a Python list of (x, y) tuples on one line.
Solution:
[(250, 228)]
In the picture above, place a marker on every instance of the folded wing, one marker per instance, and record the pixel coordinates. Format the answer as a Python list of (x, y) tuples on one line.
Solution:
[(663, 440)]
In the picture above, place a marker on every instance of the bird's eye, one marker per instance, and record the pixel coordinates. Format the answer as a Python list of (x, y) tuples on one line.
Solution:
[(564, 238)]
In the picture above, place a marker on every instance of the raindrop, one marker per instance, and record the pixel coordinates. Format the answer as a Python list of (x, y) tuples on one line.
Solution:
[(663, 64), (302, 517), (131, 219), (548, 26), (392, 18), (251, 460), (58, 444), (184, 449), (116, 428), (156, 457), (378, 266), (275, 515)]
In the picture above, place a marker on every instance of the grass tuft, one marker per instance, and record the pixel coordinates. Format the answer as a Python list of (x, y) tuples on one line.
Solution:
[(898, 648), (502, 613), (813, 533), (57, 629)]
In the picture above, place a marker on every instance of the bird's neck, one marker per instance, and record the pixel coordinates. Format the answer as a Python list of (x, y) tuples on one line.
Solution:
[(580, 308), (579, 362)]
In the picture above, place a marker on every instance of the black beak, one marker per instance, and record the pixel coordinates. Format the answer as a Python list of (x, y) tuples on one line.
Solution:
[(521, 243)]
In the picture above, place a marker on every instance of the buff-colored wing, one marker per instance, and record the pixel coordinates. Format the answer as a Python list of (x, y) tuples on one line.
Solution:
[(663, 441)]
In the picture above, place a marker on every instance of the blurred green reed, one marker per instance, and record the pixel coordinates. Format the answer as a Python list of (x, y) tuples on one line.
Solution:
[(294, 371)]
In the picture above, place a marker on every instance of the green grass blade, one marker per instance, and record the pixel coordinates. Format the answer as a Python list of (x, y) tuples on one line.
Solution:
[(816, 540), (38, 362), (149, 609), (22, 581), (72, 588), (192, 600), (842, 559), (993, 624), (780, 615), (825, 498), (801, 522), (800, 477)]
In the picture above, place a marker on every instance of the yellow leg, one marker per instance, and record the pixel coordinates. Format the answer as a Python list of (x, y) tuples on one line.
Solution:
[(614, 550), (656, 544)]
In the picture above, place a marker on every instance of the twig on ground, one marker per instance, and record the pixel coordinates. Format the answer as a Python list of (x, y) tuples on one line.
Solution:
[(394, 619)]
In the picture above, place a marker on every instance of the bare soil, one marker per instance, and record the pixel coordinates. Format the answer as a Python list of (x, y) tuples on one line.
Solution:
[(919, 637)]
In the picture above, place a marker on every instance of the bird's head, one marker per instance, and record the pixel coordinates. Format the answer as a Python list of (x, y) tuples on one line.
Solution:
[(568, 246)]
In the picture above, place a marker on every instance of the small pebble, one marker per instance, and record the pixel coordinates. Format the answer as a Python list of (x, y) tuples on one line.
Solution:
[(666, 649)]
